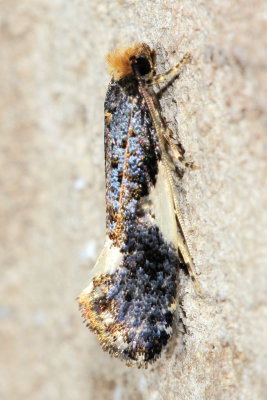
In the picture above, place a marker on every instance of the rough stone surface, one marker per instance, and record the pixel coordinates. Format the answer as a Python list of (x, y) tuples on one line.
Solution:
[(53, 83)]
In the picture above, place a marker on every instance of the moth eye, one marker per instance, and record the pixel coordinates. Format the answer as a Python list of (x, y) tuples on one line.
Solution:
[(144, 66)]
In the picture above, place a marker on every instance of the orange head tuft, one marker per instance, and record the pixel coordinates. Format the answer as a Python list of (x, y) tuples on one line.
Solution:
[(120, 60)]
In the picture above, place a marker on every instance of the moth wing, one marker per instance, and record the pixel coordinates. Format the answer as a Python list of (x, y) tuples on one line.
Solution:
[(107, 262), (162, 206), (169, 219)]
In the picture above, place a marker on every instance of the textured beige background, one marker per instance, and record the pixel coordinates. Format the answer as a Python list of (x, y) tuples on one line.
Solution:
[(53, 82)]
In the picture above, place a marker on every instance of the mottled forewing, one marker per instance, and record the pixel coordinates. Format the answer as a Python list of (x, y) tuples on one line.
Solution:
[(131, 299)]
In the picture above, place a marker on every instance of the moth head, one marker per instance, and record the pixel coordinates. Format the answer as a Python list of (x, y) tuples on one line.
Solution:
[(121, 61)]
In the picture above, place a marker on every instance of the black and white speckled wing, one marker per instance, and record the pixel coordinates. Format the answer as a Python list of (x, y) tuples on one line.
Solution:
[(131, 298)]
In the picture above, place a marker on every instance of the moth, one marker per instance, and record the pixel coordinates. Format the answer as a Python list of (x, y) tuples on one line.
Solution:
[(132, 292)]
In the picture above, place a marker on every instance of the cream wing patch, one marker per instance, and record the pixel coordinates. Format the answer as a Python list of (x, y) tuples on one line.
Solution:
[(108, 262), (160, 201)]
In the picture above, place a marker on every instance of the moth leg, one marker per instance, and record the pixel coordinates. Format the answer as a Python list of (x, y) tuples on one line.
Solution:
[(174, 70), (177, 152), (194, 277), (185, 253)]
